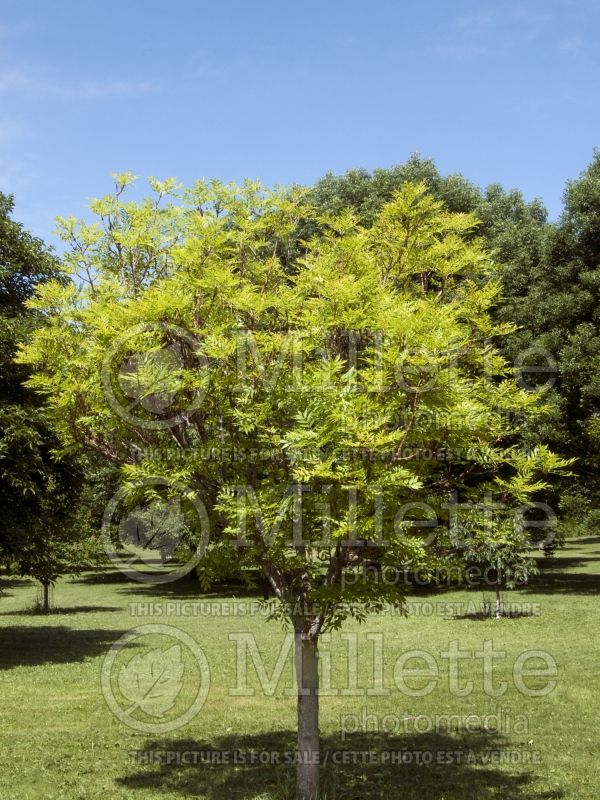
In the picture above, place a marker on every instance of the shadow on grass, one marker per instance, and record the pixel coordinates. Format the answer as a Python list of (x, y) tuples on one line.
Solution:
[(566, 562), (187, 586), (557, 582), (12, 583), (585, 540), (481, 615), (556, 577), (363, 767), (103, 575), (566, 573), (29, 645), (191, 589), (34, 612)]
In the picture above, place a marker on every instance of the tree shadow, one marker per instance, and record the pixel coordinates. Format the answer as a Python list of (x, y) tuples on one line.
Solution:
[(557, 577), (365, 766), (566, 573), (12, 583), (564, 583), (34, 612), (103, 575), (183, 588), (564, 562), (186, 586), (585, 540), (28, 645), (482, 616)]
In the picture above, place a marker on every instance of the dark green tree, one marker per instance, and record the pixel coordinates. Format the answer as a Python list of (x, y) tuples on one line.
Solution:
[(555, 303), (41, 524), (24, 440)]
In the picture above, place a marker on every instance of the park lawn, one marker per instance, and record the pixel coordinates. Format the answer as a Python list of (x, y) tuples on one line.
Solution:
[(59, 739)]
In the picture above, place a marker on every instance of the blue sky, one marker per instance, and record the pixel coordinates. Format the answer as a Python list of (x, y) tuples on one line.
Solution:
[(284, 91)]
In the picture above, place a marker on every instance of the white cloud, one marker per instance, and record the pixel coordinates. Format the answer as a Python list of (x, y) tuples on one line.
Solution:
[(8, 130), (17, 169), (17, 175), (490, 32), (530, 23), (476, 21), (572, 45), (11, 29), (23, 82), (461, 50)]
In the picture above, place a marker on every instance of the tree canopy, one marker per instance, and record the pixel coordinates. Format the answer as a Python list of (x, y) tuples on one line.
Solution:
[(302, 396), (42, 533)]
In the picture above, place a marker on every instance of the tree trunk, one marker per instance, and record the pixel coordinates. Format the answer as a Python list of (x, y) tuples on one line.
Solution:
[(46, 604), (307, 678), (266, 589), (498, 605)]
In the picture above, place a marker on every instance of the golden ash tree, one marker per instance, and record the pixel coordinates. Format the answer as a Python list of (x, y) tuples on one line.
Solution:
[(201, 332)]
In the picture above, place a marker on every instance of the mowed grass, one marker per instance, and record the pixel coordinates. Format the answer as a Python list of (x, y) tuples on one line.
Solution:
[(59, 739)]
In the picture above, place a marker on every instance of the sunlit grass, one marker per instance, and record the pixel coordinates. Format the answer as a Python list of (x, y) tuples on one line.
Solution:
[(58, 738)]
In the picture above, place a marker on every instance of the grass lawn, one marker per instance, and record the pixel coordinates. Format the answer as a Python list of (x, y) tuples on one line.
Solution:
[(59, 739)]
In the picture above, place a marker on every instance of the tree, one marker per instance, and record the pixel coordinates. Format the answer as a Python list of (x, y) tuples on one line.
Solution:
[(196, 342), (25, 446), (41, 524), (366, 192), (555, 304), (549, 277), (496, 557), (515, 233), (52, 544)]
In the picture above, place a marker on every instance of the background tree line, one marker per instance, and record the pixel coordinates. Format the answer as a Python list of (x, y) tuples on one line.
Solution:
[(52, 497), (550, 273)]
